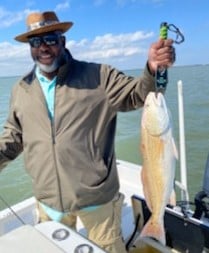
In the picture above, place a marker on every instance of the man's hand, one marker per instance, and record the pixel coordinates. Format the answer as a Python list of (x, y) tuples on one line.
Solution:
[(161, 53)]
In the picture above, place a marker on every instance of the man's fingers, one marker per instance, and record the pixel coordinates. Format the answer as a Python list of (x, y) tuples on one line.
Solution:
[(162, 43)]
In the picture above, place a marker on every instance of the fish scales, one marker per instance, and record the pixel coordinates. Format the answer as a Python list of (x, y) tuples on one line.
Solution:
[(159, 154)]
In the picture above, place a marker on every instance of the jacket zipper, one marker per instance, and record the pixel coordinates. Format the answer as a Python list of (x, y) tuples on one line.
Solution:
[(53, 131), (54, 153)]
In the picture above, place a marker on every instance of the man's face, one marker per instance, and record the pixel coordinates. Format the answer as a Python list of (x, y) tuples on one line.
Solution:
[(47, 50)]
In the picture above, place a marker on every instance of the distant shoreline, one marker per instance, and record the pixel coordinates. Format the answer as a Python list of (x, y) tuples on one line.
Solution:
[(124, 70)]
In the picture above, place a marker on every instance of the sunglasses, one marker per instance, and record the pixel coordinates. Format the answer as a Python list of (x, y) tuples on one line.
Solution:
[(49, 40)]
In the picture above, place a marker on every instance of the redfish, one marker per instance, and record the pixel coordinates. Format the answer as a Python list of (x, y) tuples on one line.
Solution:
[(159, 156)]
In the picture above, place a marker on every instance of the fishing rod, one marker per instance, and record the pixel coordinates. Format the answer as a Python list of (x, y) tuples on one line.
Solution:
[(12, 210), (161, 75)]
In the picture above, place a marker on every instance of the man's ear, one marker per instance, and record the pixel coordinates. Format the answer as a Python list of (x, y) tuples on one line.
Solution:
[(63, 40)]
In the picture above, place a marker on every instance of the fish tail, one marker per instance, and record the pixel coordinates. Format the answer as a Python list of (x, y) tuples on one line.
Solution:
[(172, 200), (154, 230)]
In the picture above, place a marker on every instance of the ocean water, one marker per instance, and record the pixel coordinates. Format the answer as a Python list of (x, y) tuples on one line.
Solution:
[(15, 184)]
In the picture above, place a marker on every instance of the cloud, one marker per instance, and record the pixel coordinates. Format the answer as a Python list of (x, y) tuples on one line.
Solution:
[(99, 2), (15, 59), (119, 50), (109, 46), (62, 6), (8, 18), (109, 40)]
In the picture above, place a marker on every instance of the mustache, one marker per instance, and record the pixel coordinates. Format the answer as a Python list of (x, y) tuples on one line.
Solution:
[(59, 61)]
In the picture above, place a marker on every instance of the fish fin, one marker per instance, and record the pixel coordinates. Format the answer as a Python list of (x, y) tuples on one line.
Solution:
[(175, 150), (154, 230)]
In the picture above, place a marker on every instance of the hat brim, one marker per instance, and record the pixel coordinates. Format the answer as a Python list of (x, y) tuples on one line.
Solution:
[(63, 27)]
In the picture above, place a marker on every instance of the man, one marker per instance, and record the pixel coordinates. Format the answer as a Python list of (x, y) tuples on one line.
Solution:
[(63, 116)]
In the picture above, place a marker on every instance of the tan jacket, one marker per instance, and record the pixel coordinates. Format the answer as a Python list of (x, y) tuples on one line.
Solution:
[(71, 160)]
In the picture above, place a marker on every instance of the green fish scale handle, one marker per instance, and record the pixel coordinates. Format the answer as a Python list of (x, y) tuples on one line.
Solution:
[(164, 31), (161, 77)]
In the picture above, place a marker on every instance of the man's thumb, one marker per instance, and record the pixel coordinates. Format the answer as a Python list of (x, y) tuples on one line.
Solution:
[(158, 44)]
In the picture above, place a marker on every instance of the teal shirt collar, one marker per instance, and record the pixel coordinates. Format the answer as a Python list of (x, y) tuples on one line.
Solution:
[(48, 88)]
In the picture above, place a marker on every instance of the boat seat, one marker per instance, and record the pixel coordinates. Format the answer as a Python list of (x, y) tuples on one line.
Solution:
[(183, 234)]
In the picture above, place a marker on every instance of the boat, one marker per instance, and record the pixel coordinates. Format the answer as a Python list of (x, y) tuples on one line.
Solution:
[(186, 225)]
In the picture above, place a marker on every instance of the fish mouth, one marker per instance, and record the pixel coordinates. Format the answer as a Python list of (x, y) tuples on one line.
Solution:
[(156, 118)]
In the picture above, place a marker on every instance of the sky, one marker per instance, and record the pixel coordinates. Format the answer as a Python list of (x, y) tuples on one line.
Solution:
[(115, 32)]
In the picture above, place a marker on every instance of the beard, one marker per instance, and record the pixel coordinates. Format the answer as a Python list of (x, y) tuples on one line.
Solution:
[(48, 68), (55, 64)]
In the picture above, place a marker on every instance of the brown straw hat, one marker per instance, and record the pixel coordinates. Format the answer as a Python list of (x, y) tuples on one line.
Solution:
[(38, 23)]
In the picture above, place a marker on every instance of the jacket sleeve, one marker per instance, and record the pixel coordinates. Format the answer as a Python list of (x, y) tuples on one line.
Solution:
[(124, 92), (11, 138)]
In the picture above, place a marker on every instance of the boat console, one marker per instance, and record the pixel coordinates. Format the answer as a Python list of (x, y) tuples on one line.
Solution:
[(184, 233), (202, 197)]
